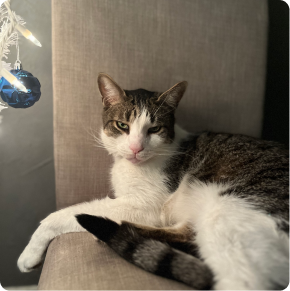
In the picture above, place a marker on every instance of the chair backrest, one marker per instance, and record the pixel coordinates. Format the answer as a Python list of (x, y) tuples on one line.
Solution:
[(219, 47)]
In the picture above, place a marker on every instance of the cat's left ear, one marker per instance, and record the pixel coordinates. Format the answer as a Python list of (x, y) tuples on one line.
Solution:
[(174, 94)]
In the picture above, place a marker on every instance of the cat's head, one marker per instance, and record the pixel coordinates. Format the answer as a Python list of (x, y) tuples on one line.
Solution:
[(138, 124)]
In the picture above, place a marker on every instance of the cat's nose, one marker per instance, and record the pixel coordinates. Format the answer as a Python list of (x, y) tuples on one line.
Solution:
[(136, 148)]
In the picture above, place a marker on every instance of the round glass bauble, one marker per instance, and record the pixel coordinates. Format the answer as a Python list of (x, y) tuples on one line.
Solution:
[(16, 98)]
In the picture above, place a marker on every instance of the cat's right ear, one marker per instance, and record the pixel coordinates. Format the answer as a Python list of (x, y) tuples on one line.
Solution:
[(111, 93)]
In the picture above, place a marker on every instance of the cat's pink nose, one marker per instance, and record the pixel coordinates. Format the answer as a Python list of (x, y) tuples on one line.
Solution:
[(136, 148)]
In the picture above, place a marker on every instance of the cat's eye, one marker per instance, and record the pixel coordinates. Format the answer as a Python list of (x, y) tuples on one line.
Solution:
[(122, 125), (154, 129)]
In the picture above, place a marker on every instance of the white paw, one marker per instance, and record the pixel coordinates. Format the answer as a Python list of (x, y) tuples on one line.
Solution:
[(29, 260)]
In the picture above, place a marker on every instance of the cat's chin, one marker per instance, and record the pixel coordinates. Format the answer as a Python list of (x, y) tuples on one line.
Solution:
[(134, 160)]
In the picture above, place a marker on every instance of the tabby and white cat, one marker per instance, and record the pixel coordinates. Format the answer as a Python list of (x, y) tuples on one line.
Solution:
[(208, 209)]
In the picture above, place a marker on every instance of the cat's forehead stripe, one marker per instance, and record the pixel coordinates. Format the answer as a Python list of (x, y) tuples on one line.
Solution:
[(142, 120), (143, 99), (127, 114)]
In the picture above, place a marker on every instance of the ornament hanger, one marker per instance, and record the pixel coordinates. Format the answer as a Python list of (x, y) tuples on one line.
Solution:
[(17, 65)]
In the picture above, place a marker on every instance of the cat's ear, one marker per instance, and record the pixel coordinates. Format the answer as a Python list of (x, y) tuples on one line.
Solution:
[(174, 94), (111, 92)]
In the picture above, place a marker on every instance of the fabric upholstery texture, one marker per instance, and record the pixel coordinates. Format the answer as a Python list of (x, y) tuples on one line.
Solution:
[(76, 261), (219, 47)]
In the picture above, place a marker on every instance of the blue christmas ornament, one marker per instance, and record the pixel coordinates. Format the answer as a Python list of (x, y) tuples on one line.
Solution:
[(16, 98)]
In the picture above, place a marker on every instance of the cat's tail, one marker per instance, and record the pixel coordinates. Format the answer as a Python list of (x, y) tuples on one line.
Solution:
[(151, 255)]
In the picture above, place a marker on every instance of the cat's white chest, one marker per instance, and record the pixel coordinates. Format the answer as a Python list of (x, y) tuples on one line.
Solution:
[(144, 182)]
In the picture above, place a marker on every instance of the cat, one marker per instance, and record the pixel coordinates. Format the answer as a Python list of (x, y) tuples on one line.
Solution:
[(208, 209)]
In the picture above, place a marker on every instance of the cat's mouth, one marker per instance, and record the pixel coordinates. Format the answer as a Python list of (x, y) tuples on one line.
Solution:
[(137, 159), (134, 160)]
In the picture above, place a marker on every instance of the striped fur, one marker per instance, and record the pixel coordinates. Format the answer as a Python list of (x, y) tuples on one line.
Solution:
[(150, 254)]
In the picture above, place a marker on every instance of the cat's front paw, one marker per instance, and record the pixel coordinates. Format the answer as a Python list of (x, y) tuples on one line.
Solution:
[(29, 260)]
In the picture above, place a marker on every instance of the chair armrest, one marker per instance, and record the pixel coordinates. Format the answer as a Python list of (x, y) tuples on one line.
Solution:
[(76, 261)]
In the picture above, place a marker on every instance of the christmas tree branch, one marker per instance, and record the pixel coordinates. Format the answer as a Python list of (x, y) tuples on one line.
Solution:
[(8, 34)]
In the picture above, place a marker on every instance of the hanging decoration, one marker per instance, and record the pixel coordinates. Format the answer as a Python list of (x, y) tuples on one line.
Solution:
[(19, 88), (17, 98)]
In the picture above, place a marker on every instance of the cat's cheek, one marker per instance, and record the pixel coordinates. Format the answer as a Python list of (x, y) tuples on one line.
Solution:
[(155, 141)]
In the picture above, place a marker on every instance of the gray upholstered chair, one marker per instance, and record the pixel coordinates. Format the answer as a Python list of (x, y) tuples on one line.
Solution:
[(219, 47)]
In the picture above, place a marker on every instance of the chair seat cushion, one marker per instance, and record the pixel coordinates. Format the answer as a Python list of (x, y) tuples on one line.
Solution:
[(76, 261)]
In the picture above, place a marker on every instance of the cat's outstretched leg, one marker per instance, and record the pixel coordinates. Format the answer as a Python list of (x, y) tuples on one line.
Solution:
[(63, 221)]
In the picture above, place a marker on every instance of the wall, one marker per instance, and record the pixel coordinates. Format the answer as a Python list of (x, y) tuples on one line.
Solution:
[(27, 191)]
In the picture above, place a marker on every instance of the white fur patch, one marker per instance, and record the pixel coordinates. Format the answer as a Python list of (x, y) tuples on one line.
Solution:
[(240, 244)]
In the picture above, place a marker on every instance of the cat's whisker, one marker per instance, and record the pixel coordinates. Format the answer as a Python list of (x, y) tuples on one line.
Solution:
[(172, 153), (167, 112), (154, 114)]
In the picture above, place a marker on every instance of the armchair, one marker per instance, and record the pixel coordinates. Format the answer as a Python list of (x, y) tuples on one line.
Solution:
[(219, 47)]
